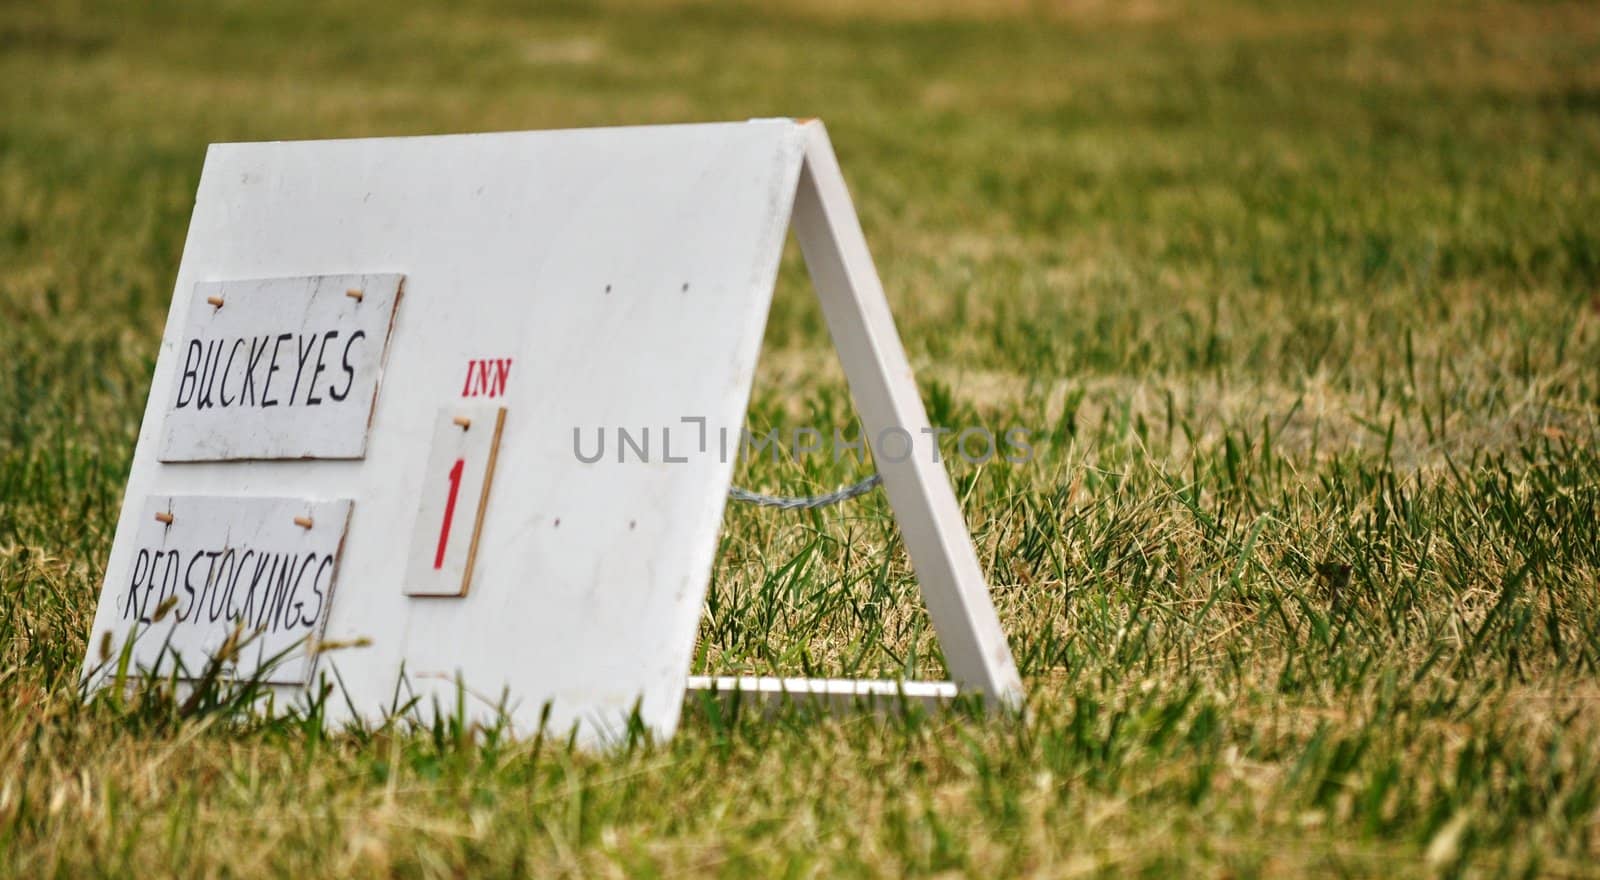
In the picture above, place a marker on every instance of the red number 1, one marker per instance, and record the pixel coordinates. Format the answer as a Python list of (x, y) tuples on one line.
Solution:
[(449, 513)]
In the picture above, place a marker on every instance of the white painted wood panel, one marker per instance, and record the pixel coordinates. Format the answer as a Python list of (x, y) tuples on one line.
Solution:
[(454, 500), (201, 569), (278, 368), (614, 278)]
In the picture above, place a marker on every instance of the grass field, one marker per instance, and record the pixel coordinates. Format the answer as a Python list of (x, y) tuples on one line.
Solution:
[(1302, 304)]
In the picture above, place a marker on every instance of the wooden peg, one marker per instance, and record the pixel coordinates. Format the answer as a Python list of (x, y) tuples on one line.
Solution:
[(463, 421), (354, 294), (215, 301), (303, 522), (164, 518)]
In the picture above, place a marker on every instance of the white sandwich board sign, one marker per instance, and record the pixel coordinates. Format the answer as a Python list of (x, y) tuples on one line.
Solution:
[(361, 423)]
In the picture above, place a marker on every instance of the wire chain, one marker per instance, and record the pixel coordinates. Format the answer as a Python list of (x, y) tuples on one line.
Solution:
[(805, 502)]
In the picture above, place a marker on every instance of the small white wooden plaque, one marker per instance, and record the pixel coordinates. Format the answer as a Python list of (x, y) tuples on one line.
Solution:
[(279, 368), (455, 494), (220, 562)]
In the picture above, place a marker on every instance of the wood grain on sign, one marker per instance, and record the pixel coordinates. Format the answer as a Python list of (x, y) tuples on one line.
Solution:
[(205, 567), (279, 368), (455, 494)]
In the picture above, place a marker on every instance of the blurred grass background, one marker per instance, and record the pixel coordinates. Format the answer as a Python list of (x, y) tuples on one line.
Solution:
[(1301, 303)]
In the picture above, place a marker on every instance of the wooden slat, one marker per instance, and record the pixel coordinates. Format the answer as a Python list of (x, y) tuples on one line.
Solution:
[(925, 506), (834, 694)]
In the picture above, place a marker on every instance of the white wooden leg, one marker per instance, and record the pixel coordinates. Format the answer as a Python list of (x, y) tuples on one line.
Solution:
[(886, 396)]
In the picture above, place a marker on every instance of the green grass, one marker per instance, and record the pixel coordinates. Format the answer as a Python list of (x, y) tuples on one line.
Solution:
[(1301, 302)]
